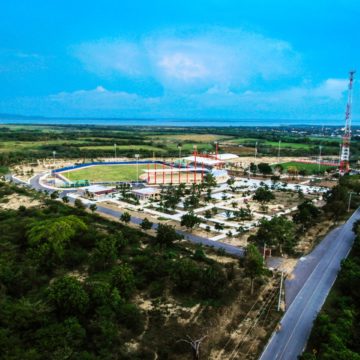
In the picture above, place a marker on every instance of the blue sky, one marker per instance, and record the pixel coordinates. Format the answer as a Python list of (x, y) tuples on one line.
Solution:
[(194, 59)]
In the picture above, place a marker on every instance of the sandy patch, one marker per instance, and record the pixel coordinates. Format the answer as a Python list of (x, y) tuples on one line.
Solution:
[(14, 201)]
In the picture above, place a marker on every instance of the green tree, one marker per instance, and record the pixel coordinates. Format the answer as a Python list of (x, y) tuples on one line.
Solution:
[(212, 282), (219, 226), (69, 296), (122, 277), (146, 224), (278, 233), (104, 254), (54, 195), (51, 236), (166, 235), (79, 204), (190, 220), (185, 273), (93, 208), (265, 168), (253, 264), (306, 215), (263, 195), (125, 217), (209, 181), (65, 199)]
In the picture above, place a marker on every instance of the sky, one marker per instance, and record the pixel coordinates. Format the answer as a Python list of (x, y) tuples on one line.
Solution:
[(218, 59)]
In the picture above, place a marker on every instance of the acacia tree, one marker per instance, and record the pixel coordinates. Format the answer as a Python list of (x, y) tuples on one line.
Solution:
[(51, 236), (253, 263)]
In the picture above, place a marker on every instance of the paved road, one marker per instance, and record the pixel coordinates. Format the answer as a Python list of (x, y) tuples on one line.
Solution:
[(290, 341), (230, 249), (306, 266)]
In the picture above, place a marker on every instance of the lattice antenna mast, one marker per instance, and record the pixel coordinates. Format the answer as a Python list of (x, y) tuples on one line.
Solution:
[(345, 149)]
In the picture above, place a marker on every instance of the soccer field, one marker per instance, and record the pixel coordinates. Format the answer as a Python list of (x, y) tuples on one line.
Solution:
[(310, 168), (100, 173)]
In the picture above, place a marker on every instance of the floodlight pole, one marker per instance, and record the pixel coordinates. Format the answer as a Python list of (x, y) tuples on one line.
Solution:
[(320, 157), (279, 150), (195, 153), (256, 144), (137, 167)]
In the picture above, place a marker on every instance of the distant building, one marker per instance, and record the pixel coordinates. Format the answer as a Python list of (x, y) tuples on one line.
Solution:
[(95, 191), (146, 193)]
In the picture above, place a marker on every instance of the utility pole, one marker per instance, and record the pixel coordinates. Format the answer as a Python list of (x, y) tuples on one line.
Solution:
[(264, 253), (280, 292), (349, 203)]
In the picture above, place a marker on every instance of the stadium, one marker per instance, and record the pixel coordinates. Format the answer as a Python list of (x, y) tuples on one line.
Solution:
[(146, 171)]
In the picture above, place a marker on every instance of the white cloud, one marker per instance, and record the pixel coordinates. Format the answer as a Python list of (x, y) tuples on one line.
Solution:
[(325, 99), (193, 59)]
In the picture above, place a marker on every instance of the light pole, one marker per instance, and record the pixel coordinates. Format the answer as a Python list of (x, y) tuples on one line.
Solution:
[(137, 167), (115, 150), (320, 157), (179, 147), (279, 150), (349, 203), (54, 153), (256, 144)]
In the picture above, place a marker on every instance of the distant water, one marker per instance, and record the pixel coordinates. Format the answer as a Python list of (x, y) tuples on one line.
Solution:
[(174, 122)]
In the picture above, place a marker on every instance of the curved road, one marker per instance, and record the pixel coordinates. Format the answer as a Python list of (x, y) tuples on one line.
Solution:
[(230, 249), (296, 324)]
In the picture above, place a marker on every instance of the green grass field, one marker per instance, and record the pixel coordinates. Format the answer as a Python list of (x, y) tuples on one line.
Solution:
[(123, 147), (107, 173), (310, 168)]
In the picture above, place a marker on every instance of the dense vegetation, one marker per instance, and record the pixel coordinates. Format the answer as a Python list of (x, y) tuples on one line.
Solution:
[(29, 143), (70, 282), (336, 331)]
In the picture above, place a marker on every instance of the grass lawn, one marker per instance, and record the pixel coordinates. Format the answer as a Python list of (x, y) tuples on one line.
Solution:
[(123, 147), (107, 173), (7, 146), (205, 138), (311, 168)]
